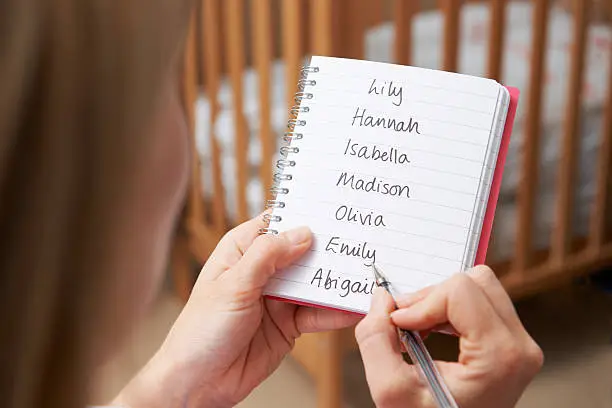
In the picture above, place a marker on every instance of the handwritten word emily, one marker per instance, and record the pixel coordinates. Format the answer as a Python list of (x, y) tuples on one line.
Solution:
[(387, 89), (344, 285), (391, 155), (373, 185), (349, 214), (361, 118), (360, 250)]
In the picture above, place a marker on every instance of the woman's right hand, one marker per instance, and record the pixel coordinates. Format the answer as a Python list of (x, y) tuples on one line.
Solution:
[(497, 358)]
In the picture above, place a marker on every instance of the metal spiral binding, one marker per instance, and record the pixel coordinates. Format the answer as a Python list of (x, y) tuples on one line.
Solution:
[(284, 163)]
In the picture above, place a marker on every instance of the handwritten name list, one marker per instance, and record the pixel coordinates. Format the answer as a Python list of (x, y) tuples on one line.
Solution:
[(374, 187)]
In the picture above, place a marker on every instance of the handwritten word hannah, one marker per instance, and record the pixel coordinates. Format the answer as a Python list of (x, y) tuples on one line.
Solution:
[(361, 118)]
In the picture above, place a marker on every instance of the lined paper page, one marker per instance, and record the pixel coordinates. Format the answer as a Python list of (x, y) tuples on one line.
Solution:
[(392, 168)]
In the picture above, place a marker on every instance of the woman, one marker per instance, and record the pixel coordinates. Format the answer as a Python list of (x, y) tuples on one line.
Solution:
[(93, 168)]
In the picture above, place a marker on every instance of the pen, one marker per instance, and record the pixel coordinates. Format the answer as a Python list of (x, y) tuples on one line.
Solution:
[(420, 356)]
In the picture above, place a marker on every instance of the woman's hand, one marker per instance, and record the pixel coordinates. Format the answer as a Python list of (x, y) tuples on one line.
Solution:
[(497, 358), (228, 339)]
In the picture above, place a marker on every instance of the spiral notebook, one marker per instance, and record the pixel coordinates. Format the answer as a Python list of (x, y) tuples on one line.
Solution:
[(387, 164)]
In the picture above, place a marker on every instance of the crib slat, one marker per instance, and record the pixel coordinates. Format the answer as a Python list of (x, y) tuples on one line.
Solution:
[(235, 45), (293, 50), (195, 209), (451, 9), (262, 24), (353, 27), (529, 167), (496, 41), (601, 203), (322, 27), (211, 72), (562, 232), (403, 12)]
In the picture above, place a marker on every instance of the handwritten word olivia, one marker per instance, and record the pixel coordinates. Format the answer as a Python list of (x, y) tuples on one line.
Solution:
[(360, 250), (349, 214), (344, 285), (387, 89), (361, 118), (373, 185), (391, 155)]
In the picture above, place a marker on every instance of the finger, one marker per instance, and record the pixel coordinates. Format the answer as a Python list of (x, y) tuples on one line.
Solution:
[(409, 299), (484, 277), (267, 254), (446, 328), (311, 320), (232, 247), (459, 302), (377, 336), (386, 372)]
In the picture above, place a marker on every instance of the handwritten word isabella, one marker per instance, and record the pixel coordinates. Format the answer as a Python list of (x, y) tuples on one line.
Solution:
[(368, 152)]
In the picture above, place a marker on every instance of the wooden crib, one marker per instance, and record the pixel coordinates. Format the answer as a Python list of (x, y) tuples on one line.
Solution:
[(228, 36)]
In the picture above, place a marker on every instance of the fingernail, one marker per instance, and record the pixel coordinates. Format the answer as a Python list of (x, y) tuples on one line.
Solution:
[(298, 236)]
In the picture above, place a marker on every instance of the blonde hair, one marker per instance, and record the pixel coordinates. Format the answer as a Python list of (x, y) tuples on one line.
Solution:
[(78, 83)]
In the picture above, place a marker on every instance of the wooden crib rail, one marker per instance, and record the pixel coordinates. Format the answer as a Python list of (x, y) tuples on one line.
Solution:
[(262, 38), (562, 232), (496, 39), (211, 73), (452, 16), (529, 171), (293, 44), (404, 11), (601, 207), (233, 16)]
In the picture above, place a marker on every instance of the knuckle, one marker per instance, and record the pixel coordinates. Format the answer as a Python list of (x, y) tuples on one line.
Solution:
[(459, 282), (388, 394), (228, 236), (521, 359), (363, 330), (267, 243), (535, 356), (484, 272), (511, 357)]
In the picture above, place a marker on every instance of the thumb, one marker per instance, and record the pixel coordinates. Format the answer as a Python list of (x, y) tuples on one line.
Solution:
[(266, 255)]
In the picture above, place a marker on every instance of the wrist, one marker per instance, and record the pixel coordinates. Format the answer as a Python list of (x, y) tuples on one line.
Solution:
[(153, 387), (162, 383)]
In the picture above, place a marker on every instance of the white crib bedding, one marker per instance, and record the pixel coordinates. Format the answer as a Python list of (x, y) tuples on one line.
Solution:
[(427, 37)]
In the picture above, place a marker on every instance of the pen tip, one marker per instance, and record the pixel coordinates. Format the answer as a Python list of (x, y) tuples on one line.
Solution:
[(377, 274)]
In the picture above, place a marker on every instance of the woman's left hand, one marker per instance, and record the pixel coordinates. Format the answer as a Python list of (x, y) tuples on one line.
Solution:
[(229, 338)]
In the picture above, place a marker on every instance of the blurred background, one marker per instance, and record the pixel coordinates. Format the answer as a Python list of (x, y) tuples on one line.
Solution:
[(551, 245)]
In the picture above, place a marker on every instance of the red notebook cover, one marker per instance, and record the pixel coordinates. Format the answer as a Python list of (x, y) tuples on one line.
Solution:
[(487, 225)]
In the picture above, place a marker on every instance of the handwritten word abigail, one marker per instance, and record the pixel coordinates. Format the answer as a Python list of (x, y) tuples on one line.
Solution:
[(368, 152), (343, 285), (373, 184)]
